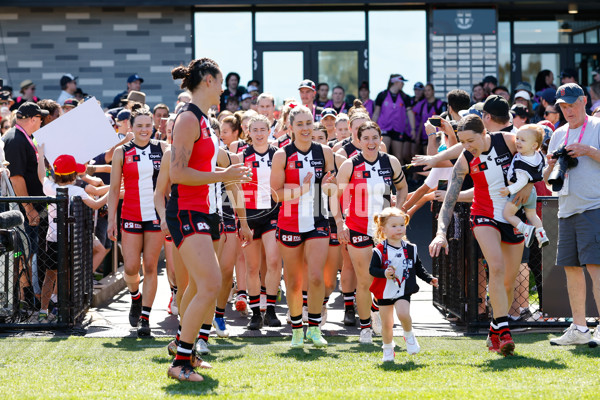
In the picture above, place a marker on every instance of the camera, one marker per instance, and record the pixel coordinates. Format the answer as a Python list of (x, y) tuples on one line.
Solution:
[(564, 162), (435, 121)]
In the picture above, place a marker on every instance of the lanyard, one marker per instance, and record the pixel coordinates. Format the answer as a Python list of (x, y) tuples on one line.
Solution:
[(28, 138), (580, 135)]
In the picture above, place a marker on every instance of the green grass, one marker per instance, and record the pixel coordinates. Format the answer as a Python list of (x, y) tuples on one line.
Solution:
[(76, 367)]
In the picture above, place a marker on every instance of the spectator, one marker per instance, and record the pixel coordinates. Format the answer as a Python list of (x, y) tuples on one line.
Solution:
[(134, 82), (266, 107), (246, 101), (27, 94), (122, 121), (524, 86), (495, 114), (570, 75), (6, 100), (520, 116), (423, 110), (523, 97), (232, 81), (489, 84), (69, 104), (418, 88), (578, 209), (307, 97), (184, 97), (232, 104), (79, 95), (544, 80), (478, 94), (594, 94), (253, 83), (595, 75), (546, 97), (502, 91), (68, 84), (322, 95), (54, 110), (160, 113), (4, 127), (337, 100), (458, 100), (363, 95)]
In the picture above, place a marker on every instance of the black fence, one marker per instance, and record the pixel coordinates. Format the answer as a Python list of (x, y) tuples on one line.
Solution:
[(46, 260), (462, 294)]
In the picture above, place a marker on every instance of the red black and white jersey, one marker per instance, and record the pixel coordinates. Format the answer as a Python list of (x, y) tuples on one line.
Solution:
[(489, 171), (241, 145), (284, 140), (257, 193), (140, 171), (350, 149), (301, 214), (369, 189), (201, 198)]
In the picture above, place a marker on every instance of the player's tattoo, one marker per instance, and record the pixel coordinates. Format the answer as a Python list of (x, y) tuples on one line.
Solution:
[(458, 176)]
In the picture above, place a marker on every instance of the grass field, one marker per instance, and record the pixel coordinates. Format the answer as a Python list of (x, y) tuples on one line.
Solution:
[(76, 367)]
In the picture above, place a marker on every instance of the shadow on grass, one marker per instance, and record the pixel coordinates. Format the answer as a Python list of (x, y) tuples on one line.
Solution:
[(586, 351), (403, 367), (307, 354), (519, 361), (206, 387), (131, 343), (362, 348)]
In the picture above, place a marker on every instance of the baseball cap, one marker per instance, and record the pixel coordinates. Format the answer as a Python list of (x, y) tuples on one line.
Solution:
[(123, 115), (523, 86), (398, 78), (71, 103), (66, 164), (66, 78), (496, 105), (519, 110), (5, 95), (26, 83), (548, 94), (568, 73), (308, 84), (522, 94), (29, 110), (246, 96), (252, 88), (596, 71), (490, 79), (547, 124), (135, 77), (419, 85), (328, 112), (568, 93), (364, 85), (476, 109)]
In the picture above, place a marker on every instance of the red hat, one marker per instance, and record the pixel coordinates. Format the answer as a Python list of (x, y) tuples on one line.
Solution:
[(547, 123), (66, 165)]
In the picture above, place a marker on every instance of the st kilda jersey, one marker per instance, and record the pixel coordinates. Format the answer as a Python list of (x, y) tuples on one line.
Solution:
[(370, 188), (350, 149), (201, 198), (257, 192), (301, 214), (242, 145), (140, 171), (532, 166), (489, 173), (284, 140)]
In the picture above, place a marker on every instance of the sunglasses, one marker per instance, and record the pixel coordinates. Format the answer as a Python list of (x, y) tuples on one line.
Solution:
[(550, 112)]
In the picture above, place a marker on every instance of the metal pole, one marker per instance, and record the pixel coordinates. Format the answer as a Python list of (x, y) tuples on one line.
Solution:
[(62, 209)]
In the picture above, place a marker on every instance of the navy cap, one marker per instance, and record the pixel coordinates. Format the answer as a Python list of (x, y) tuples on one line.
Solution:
[(496, 105), (328, 112), (490, 79), (548, 94), (135, 77), (419, 85), (123, 115), (66, 78), (568, 73), (568, 93)]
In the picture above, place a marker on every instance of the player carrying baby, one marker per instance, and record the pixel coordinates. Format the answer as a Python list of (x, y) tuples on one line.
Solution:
[(395, 266)]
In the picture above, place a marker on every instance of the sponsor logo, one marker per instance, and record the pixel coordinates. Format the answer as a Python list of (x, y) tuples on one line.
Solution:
[(137, 158), (334, 236), (366, 174), (128, 159), (156, 222), (202, 226), (316, 163), (481, 220), (132, 225), (273, 222), (269, 163), (504, 158), (359, 239), (155, 156), (298, 164), (516, 232), (290, 238), (320, 228), (255, 164), (205, 133), (385, 172)]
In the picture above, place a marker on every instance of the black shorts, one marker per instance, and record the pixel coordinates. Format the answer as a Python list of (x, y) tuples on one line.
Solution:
[(333, 238), (228, 225), (48, 256), (139, 227), (184, 223), (360, 240), (261, 221), (397, 136), (508, 234), (391, 302), (295, 239)]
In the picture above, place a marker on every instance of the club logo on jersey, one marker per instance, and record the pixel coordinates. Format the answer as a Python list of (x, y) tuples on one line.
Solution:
[(156, 164), (385, 172), (387, 180), (128, 159), (504, 158), (255, 164), (318, 173), (479, 167), (202, 226), (316, 163), (155, 156)]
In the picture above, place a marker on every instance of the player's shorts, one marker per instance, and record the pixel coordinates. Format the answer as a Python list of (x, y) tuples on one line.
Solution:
[(360, 240), (261, 221), (139, 227), (295, 239), (333, 237), (185, 223), (508, 234)]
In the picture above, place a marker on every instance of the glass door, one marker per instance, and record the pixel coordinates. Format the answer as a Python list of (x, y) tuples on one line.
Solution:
[(339, 68), (282, 72)]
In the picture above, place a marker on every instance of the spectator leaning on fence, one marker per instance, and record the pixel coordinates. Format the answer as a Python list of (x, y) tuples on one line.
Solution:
[(578, 208)]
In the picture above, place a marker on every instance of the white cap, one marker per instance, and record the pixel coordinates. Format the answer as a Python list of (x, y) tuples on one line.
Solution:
[(523, 95)]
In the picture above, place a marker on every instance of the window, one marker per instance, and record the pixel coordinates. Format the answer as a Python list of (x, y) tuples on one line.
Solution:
[(310, 26)]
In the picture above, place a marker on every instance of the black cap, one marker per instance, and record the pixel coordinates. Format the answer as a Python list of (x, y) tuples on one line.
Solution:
[(419, 85), (308, 84), (135, 77), (490, 79), (364, 85), (328, 112), (71, 103), (496, 105), (29, 110), (5, 95), (568, 73), (66, 78), (519, 110), (568, 93)]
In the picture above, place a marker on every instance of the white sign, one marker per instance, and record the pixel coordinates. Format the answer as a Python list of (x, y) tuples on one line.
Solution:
[(83, 133)]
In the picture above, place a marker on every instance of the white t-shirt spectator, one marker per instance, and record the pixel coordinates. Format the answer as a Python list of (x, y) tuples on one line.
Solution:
[(50, 190)]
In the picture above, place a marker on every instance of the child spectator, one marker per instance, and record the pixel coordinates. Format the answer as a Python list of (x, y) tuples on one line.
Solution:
[(65, 174), (395, 265), (527, 166)]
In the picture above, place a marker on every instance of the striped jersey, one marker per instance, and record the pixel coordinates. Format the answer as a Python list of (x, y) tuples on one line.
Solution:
[(257, 193), (489, 171), (301, 214), (140, 171), (201, 198), (369, 189)]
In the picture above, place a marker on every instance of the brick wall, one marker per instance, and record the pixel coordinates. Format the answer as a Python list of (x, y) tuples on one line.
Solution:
[(102, 46)]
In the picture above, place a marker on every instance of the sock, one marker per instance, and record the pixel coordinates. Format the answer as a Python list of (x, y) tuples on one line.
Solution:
[(242, 293), (582, 328), (178, 334), (493, 328), (348, 301), (271, 300), (388, 345), (314, 319), (136, 296), (219, 312), (521, 226), (263, 290), (174, 290), (184, 353), (374, 305), (255, 304), (204, 332), (325, 300), (502, 323), (408, 334), (304, 298), (44, 311), (146, 313), (296, 321), (365, 323)]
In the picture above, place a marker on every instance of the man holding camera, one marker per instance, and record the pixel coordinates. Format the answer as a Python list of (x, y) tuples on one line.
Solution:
[(578, 207)]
